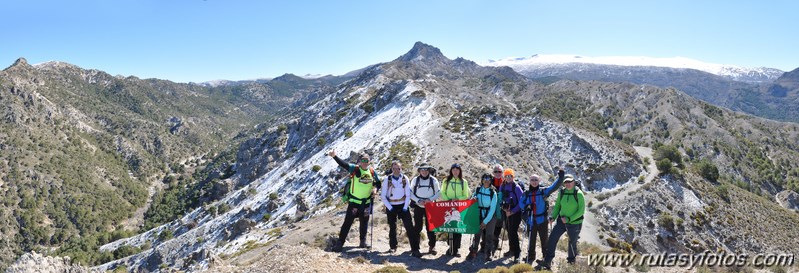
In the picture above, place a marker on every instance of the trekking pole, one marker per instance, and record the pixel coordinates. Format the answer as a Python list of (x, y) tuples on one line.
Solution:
[(522, 245), (372, 224), (502, 233), (451, 242), (530, 238)]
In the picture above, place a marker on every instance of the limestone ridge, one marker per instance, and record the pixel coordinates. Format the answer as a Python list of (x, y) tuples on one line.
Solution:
[(446, 109), (425, 53), (436, 110), (35, 262)]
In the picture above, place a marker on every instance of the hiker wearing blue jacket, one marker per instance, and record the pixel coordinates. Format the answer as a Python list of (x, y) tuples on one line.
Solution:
[(487, 201), (535, 205)]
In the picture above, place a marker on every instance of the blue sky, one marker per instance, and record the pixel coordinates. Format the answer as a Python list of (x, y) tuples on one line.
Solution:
[(201, 40)]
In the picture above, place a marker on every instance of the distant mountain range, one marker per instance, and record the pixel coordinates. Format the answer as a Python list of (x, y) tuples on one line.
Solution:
[(151, 174), (757, 91), (425, 107), (736, 73)]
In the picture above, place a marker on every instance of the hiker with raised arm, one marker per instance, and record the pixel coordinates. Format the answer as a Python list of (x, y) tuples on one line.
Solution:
[(363, 183), (424, 188), (534, 205), (568, 217), (395, 194)]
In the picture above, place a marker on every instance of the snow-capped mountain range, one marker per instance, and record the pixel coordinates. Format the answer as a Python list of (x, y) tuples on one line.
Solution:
[(537, 61)]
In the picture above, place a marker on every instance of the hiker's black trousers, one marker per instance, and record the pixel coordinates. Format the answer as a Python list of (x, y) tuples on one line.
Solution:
[(420, 223), (513, 222), (362, 213), (407, 222), (540, 229)]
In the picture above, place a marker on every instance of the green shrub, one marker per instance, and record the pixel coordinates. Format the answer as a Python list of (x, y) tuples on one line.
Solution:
[(668, 152), (664, 166), (360, 260), (224, 207), (519, 268), (666, 221), (316, 168), (165, 235), (723, 192), (391, 269), (706, 169), (348, 134)]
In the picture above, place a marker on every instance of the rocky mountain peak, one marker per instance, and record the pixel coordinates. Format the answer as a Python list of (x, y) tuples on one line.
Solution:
[(288, 77), (21, 62), (789, 77), (424, 53)]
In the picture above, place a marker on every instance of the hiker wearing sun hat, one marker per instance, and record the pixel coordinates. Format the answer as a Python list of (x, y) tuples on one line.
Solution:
[(455, 188), (424, 188), (358, 192), (511, 193), (568, 217)]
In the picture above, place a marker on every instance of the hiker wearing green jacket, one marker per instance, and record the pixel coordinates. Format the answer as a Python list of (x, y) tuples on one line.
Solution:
[(454, 188), (568, 215), (361, 187)]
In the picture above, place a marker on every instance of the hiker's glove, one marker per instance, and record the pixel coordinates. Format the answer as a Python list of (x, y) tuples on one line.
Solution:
[(561, 173)]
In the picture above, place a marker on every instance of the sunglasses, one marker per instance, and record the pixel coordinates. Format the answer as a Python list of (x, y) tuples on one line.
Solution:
[(497, 171), (364, 160), (456, 166), (568, 181)]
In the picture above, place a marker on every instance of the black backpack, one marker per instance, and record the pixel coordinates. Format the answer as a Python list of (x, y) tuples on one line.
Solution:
[(416, 185)]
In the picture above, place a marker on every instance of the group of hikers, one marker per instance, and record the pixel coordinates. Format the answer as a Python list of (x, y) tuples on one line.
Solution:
[(502, 203)]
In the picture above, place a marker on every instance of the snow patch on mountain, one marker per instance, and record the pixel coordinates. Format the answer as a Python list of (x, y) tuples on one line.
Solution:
[(537, 61), (405, 117)]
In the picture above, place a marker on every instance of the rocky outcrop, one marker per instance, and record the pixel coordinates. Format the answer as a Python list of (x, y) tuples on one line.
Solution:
[(788, 199), (35, 262), (240, 227)]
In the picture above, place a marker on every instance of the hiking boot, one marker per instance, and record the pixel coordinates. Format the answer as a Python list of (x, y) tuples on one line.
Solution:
[(542, 266), (416, 254), (432, 251), (471, 255), (392, 250), (528, 260), (488, 258), (362, 245), (515, 259), (337, 248), (507, 254), (452, 253)]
